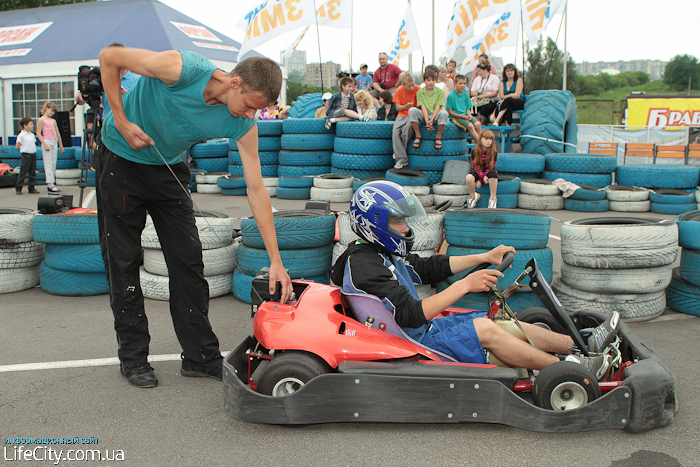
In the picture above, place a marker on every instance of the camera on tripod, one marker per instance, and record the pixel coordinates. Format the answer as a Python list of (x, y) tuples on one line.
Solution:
[(90, 85)]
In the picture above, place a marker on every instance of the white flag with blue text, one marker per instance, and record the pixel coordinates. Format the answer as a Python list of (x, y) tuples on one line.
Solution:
[(502, 33), (536, 16), (406, 40), (466, 12)]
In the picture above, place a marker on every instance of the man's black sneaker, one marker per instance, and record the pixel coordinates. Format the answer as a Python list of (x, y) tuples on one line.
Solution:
[(604, 334), (141, 376), (195, 370)]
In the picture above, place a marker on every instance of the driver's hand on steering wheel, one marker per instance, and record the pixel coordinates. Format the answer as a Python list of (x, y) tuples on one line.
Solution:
[(496, 255), (482, 281)]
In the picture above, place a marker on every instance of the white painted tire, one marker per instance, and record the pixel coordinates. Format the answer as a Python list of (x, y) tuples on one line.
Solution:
[(272, 191), (347, 235), (417, 190), (424, 253), (21, 255), (66, 181), (457, 201), (338, 249), (208, 188), (619, 243), (540, 202), (629, 206), (428, 233), (626, 193), (68, 173), (214, 232), (618, 281), (333, 181), (334, 195), (632, 307), (540, 187), (697, 196), (209, 178), (16, 225), (270, 181), (157, 287), (217, 261), (450, 189), (425, 200), (17, 279)]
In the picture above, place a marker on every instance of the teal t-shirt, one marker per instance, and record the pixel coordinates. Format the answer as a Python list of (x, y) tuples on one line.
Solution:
[(459, 104), (176, 116)]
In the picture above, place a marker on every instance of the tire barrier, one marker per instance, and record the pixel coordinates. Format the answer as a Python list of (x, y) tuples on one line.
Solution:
[(71, 283), (362, 149), (20, 255), (308, 142), (269, 127), (589, 193), (218, 164), (305, 158), (488, 228), (505, 201), (215, 148), (689, 230), (549, 115), (358, 182), (520, 163), (595, 180), (636, 280), (521, 300), (407, 177), (540, 202), (690, 265), (158, 287), (299, 171), (539, 187), (682, 295), (66, 228), (543, 256), (300, 229), (671, 201), (293, 192), (580, 163), (304, 108), (367, 130), (16, 225), (586, 206), (216, 261), (658, 176), (433, 163), (625, 198), (242, 284), (215, 231)]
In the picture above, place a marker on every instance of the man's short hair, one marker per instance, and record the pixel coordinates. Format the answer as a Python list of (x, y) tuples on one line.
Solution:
[(460, 77), (383, 53), (452, 61), (25, 121), (435, 69), (407, 78), (260, 74), (345, 80), (429, 74)]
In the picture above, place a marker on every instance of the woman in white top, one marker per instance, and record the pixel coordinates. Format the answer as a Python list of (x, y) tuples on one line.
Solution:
[(485, 85)]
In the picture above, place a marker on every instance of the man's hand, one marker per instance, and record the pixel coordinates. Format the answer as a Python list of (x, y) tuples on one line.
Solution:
[(496, 255), (278, 274), (481, 281), (134, 135)]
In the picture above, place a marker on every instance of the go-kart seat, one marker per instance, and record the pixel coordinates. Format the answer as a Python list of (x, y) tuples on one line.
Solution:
[(365, 306)]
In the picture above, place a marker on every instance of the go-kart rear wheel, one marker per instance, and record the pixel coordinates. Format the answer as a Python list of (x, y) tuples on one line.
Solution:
[(289, 372), (565, 386), (541, 317)]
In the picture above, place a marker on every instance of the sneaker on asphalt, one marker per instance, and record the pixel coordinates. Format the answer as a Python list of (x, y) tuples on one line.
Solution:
[(195, 370), (471, 202), (492, 203), (598, 364), (141, 376), (604, 334)]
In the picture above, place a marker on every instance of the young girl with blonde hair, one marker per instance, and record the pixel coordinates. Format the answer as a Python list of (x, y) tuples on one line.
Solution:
[(49, 136), (484, 172)]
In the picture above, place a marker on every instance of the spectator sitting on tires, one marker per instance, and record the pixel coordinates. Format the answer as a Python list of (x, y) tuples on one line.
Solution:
[(483, 58), (386, 77), (405, 99), (387, 109), (447, 85), (510, 94), (343, 106), (485, 87), (484, 172), (321, 111), (459, 107), (363, 80), (430, 102), (381, 264)]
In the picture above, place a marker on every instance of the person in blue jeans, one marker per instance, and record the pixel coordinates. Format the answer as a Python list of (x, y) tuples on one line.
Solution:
[(380, 264)]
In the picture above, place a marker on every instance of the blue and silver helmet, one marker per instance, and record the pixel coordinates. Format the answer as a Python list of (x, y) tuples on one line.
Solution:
[(376, 204)]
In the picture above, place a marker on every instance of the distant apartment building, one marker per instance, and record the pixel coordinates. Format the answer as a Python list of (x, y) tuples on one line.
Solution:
[(654, 68), (296, 63), (330, 70)]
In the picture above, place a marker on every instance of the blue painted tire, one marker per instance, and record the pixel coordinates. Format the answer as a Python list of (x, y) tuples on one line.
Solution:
[(308, 142), (488, 228), (689, 229), (666, 196), (690, 265), (358, 182), (11, 152), (520, 163), (266, 158), (66, 228), (269, 127), (362, 146), (672, 208), (366, 130), (544, 257), (683, 296), (658, 176), (234, 191), (303, 158), (13, 162), (194, 173), (377, 162), (295, 182), (506, 185), (231, 182), (450, 147), (299, 171), (595, 180), (356, 173), (265, 143), (589, 193), (69, 283), (305, 107), (580, 163), (266, 170), (305, 262), (586, 206), (307, 228), (434, 176), (293, 193), (211, 149), (451, 131), (551, 115), (218, 164), (74, 258), (505, 201), (406, 177), (432, 162), (521, 175), (305, 126)]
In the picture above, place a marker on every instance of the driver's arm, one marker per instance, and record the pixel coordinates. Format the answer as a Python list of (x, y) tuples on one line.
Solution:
[(495, 256)]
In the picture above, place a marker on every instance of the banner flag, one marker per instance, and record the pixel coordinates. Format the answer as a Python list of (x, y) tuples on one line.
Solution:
[(537, 14), (406, 40), (466, 12), (290, 50), (502, 33), (335, 14)]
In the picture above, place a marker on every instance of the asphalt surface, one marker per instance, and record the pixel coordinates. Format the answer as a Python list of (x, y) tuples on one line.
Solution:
[(182, 421)]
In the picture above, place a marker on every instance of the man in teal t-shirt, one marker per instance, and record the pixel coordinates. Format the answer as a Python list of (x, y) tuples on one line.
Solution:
[(181, 98), (459, 107)]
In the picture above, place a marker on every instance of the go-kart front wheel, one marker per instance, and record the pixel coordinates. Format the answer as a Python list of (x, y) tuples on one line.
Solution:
[(289, 372), (565, 386)]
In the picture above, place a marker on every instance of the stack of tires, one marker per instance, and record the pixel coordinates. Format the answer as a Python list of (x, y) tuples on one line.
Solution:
[(306, 147), (523, 166), (671, 201), (269, 145), (683, 293), (305, 241), (549, 121), (658, 176), (20, 255), (582, 169), (538, 194), (208, 183), (431, 161), (507, 194), (305, 106), (414, 182), (587, 199), (473, 231), (11, 156), (625, 198), (193, 179), (219, 255), (73, 263), (362, 149), (450, 191), (290, 187), (336, 188), (617, 264), (71, 177), (211, 156)]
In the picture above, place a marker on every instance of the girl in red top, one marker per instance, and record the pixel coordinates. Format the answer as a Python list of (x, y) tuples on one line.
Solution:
[(484, 172)]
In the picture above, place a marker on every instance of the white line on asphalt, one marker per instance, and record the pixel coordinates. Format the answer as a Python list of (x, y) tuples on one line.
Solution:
[(673, 317), (555, 237), (84, 363), (554, 218)]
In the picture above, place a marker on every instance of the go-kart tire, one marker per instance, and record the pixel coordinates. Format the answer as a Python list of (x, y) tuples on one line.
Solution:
[(289, 372), (308, 228), (66, 228), (16, 225), (334, 195), (690, 265), (632, 307), (617, 281), (69, 283), (18, 279), (158, 287), (333, 181), (626, 193), (558, 383), (683, 296), (629, 206), (520, 163), (488, 228), (539, 187), (21, 255), (689, 229), (217, 261), (618, 242), (305, 158), (541, 203), (539, 316), (580, 163)]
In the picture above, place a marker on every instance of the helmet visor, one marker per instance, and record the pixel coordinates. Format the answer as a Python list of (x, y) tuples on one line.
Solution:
[(409, 209)]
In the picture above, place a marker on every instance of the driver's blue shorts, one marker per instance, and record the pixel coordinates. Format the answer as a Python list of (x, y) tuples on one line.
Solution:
[(455, 336)]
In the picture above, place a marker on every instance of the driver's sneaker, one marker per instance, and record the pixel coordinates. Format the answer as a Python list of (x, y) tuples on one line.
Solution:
[(493, 202), (195, 370), (604, 334), (471, 202), (141, 376), (598, 364)]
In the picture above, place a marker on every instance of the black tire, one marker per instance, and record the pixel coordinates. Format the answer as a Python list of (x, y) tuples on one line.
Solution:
[(564, 386), (541, 317), (289, 372)]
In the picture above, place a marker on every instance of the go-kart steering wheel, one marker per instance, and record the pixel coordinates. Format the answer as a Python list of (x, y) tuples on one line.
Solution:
[(507, 260)]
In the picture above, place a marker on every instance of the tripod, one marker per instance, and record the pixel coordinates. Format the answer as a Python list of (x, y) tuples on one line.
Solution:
[(92, 116)]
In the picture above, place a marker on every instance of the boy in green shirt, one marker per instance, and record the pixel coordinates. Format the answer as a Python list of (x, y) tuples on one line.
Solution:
[(459, 107), (429, 100)]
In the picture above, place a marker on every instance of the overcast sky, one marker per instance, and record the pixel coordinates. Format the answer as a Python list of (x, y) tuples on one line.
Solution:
[(598, 30)]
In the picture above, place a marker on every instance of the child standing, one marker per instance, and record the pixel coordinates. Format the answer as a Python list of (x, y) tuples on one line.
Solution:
[(459, 107), (430, 102), (26, 144), (47, 132), (483, 170), (405, 99), (343, 105)]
